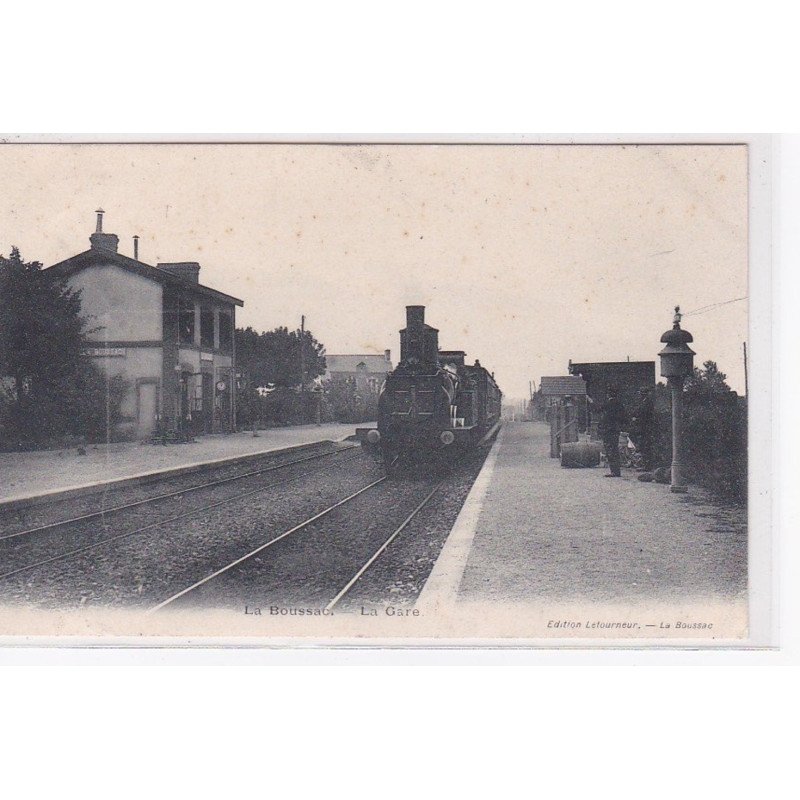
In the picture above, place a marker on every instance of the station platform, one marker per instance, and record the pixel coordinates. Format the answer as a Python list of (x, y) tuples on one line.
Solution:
[(29, 476), (532, 533)]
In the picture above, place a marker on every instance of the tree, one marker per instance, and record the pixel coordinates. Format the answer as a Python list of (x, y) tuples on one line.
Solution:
[(273, 358), (40, 329), (40, 345), (50, 386), (707, 383)]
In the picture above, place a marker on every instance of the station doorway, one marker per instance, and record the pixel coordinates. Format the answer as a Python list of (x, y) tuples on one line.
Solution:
[(146, 408)]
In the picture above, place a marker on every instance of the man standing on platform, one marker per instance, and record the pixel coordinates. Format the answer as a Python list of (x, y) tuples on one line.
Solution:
[(612, 420)]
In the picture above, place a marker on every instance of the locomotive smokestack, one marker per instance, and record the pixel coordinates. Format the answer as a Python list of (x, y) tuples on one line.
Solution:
[(418, 341), (411, 338), (415, 318)]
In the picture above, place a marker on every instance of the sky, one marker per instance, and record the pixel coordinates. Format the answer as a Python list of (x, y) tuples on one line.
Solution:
[(526, 256)]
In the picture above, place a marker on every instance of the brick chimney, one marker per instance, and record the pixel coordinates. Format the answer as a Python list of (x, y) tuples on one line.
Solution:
[(100, 240), (188, 270)]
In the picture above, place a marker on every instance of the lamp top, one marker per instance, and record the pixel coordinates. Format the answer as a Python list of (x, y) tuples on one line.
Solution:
[(677, 336)]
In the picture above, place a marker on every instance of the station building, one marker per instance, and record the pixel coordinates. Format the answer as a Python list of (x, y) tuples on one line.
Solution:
[(167, 335)]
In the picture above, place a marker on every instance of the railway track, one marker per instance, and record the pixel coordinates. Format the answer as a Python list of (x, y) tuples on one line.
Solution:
[(342, 587), (329, 534), (352, 582), (102, 515)]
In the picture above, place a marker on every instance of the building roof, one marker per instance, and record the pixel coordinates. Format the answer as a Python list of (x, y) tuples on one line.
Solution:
[(562, 385), (102, 256), (586, 365), (350, 363)]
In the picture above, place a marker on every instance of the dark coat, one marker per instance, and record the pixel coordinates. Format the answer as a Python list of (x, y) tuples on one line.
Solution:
[(612, 418)]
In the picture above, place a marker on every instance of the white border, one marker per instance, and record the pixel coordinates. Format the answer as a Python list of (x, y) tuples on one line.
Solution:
[(764, 627)]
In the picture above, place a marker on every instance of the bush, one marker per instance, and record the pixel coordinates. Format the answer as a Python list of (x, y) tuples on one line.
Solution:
[(342, 400), (716, 444), (86, 409), (281, 406), (349, 403), (715, 433), (97, 402)]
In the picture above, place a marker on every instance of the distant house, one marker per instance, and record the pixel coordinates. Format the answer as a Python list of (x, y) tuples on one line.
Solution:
[(167, 335), (561, 386), (555, 390), (367, 371)]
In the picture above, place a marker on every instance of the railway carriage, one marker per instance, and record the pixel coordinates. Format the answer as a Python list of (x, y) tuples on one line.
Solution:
[(433, 405)]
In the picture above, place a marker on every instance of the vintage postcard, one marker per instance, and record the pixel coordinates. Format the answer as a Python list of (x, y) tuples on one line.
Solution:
[(484, 393)]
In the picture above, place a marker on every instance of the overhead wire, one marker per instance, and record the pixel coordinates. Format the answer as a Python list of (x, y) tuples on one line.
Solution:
[(703, 309)]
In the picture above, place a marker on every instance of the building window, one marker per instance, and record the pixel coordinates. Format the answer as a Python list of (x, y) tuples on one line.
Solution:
[(225, 332), (206, 327), (186, 321)]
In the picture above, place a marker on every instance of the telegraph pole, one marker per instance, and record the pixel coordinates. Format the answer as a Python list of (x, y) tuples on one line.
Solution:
[(529, 410), (302, 369)]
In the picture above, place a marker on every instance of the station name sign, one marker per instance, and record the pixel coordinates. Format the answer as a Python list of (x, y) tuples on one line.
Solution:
[(104, 352)]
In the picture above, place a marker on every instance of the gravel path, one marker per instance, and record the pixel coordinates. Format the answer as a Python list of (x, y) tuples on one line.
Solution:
[(573, 535)]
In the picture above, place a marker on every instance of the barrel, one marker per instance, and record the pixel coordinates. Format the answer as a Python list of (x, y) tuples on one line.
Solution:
[(580, 454)]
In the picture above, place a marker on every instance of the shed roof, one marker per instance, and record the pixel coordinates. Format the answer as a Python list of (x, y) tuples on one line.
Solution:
[(563, 385)]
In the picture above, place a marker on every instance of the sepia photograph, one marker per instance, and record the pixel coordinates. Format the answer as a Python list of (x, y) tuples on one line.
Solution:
[(359, 393)]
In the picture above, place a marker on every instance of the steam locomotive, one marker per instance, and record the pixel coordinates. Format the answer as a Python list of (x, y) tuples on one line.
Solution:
[(433, 405)]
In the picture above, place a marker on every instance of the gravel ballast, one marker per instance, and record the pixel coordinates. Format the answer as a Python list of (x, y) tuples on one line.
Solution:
[(145, 568)]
